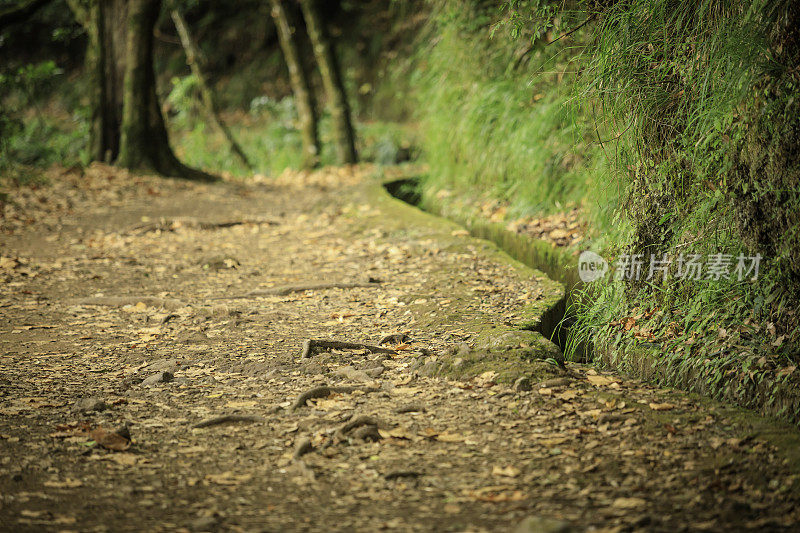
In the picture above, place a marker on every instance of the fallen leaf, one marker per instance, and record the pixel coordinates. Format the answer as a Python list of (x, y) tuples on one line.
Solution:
[(487, 379), (192, 449), (140, 307), (598, 381), (228, 478), (66, 484), (661, 406), (109, 440), (331, 404), (396, 433), (450, 437), (567, 395), (497, 497), (241, 403), (428, 433), (628, 503), (125, 459), (505, 471)]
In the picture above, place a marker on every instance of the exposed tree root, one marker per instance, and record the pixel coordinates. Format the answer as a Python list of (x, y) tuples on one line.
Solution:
[(284, 290), (121, 301), (228, 419), (312, 346), (302, 447), (362, 427), (356, 422), (323, 391), (398, 474), (172, 224)]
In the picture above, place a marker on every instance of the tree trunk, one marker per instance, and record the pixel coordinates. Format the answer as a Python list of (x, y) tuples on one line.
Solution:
[(332, 81), (206, 96), (105, 64), (144, 144), (120, 50), (304, 101), (112, 39)]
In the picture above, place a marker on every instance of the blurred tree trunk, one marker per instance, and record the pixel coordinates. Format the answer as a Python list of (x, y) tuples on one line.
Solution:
[(303, 97), (105, 63), (332, 81), (110, 50), (194, 59), (127, 127), (144, 144)]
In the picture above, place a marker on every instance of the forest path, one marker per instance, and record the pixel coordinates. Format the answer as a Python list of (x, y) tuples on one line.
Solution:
[(111, 281)]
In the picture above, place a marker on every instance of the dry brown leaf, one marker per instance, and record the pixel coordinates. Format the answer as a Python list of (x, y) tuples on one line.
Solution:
[(428, 433), (487, 379), (450, 437), (661, 406), (628, 503), (567, 395), (237, 404), (331, 404), (599, 381), (501, 497), (505, 471), (396, 433), (228, 478), (109, 440), (125, 459), (66, 484)]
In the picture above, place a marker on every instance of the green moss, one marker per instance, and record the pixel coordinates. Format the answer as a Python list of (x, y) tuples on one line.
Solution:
[(511, 354), (492, 124)]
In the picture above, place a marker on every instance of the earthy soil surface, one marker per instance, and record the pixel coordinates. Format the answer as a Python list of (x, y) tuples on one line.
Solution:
[(151, 335)]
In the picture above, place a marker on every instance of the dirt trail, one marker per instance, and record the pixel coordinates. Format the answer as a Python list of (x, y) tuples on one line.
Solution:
[(129, 302)]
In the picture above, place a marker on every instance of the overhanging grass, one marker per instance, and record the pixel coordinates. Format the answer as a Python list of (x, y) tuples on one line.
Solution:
[(675, 125), (488, 128)]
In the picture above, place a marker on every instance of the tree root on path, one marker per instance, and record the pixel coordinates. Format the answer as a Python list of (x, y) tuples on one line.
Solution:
[(356, 422), (323, 391), (121, 301), (284, 290), (302, 447), (362, 427), (228, 419), (172, 224), (311, 346)]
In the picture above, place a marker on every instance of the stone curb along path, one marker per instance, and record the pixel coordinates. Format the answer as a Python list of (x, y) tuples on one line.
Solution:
[(152, 377), (506, 344)]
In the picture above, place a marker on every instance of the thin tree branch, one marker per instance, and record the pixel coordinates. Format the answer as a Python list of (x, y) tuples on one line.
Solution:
[(194, 59), (573, 30)]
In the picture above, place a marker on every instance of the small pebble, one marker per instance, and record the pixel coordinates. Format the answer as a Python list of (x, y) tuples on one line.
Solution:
[(158, 377), (88, 405)]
